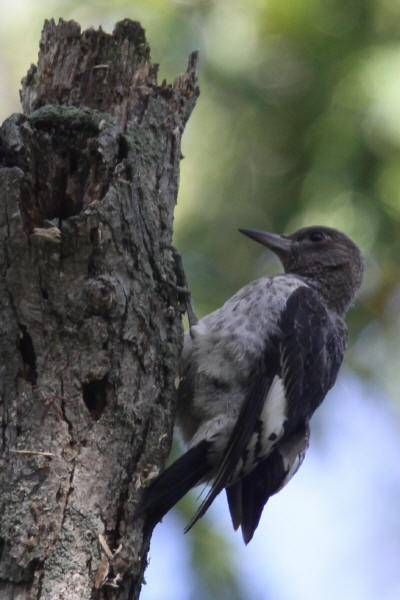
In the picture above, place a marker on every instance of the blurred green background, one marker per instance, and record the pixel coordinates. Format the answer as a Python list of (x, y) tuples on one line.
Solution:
[(298, 123)]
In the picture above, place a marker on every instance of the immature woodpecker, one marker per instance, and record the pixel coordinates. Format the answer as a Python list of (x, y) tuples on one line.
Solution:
[(254, 371)]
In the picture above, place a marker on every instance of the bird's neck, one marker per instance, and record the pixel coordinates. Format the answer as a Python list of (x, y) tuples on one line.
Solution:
[(336, 290)]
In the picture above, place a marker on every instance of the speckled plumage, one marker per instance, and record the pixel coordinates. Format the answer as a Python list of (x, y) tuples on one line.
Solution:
[(253, 373), (220, 353)]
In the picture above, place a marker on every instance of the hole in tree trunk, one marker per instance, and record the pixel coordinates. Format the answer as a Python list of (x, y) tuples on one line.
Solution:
[(95, 396), (25, 346)]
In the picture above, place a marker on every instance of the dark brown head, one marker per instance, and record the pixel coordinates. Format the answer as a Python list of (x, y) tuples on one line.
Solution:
[(326, 257)]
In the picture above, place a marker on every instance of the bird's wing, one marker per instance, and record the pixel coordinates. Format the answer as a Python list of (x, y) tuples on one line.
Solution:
[(309, 356), (311, 352)]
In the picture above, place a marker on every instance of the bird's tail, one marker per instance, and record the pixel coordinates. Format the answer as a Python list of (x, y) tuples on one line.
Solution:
[(169, 487)]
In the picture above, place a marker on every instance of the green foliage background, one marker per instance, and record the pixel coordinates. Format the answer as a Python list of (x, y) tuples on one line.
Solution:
[(298, 123)]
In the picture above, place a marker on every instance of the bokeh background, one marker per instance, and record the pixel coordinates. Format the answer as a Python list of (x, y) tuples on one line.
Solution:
[(298, 123)]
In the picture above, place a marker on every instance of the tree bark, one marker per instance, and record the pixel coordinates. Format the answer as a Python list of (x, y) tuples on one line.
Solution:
[(90, 334)]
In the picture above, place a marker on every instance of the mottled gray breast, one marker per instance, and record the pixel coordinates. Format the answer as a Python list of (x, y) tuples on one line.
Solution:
[(225, 343), (222, 349)]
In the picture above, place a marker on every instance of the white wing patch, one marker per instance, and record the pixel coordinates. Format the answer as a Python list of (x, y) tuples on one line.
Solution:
[(269, 430), (273, 414)]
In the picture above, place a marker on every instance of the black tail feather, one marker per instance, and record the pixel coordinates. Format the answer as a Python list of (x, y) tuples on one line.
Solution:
[(173, 483), (247, 497), (234, 495)]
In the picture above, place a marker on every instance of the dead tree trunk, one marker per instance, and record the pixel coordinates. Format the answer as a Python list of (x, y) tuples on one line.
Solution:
[(90, 329)]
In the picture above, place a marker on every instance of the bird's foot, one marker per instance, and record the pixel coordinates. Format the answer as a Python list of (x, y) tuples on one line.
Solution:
[(182, 287)]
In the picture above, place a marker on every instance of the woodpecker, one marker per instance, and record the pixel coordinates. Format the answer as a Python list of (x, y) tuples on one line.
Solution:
[(254, 371)]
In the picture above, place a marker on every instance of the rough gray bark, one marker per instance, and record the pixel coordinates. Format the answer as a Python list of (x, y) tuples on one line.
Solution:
[(90, 330)]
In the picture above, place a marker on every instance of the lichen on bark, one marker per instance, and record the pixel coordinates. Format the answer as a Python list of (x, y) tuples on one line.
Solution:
[(91, 332)]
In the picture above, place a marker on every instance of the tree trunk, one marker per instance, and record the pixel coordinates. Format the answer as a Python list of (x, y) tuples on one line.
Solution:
[(90, 333)]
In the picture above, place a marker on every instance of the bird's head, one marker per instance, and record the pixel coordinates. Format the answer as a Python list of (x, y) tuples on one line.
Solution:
[(324, 256)]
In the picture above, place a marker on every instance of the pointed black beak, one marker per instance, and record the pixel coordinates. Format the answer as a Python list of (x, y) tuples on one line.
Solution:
[(280, 244)]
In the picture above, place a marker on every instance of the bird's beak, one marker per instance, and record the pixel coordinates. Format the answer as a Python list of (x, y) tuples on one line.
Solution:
[(280, 244)]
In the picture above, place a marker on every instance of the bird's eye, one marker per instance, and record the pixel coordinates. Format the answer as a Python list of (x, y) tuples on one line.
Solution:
[(317, 236)]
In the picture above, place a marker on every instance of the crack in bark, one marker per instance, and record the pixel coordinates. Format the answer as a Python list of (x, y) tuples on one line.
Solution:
[(26, 349), (63, 410)]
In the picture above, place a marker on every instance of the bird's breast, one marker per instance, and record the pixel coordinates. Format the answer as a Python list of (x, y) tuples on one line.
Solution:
[(221, 354), (227, 343)]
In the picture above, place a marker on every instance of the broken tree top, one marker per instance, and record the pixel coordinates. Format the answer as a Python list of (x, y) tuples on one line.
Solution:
[(108, 72), (92, 101)]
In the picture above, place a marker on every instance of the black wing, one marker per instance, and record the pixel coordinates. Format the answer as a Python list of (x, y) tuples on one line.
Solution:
[(310, 353)]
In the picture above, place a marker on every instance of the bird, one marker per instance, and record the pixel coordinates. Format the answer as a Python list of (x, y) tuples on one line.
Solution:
[(252, 374)]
